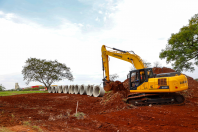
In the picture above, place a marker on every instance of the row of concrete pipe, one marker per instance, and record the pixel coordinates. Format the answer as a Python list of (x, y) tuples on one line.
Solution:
[(90, 90)]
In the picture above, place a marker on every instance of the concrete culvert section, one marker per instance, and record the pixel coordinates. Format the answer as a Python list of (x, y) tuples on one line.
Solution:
[(98, 91), (76, 89), (91, 90), (88, 89), (53, 90), (60, 90), (56, 89), (83, 89), (49, 90), (72, 91), (65, 89)]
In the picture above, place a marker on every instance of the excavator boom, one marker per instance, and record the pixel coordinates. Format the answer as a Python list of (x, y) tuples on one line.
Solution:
[(120, 54)]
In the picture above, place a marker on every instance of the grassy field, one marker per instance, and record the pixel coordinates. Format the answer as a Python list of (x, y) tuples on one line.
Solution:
[(9, 93)]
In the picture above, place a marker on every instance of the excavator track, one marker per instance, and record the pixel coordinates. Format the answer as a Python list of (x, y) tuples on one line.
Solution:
[(139, 99)]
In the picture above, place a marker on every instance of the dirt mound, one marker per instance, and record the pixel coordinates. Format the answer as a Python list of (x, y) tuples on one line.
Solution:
[(158, 70), (118, 86), (113, 101)]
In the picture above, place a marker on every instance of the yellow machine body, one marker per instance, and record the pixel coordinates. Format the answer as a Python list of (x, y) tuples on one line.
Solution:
[(172, 84)]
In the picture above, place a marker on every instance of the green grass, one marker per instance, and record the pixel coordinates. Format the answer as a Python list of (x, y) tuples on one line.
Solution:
[(4, 129), (9, 93), (28, 123), (108, 91)]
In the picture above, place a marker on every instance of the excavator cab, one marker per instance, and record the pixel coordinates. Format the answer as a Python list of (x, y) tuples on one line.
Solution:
[(138, 77)]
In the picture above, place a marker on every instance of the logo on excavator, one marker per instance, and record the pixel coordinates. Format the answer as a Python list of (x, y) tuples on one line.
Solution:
[(183, 82), (117, 55), (151, 86)]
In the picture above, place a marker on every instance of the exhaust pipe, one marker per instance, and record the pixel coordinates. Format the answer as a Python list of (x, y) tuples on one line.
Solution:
[(76, 89), (98, 91), (83, 89), (60, 90)]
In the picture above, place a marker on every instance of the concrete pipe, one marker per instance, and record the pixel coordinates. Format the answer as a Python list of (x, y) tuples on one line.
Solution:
[(98, 91), (83, 89), (53, 89), (60, 89), (65, 89), (72, 89), (56, 88), (88, 89), (49, 89), (91, 90), (76, 89)]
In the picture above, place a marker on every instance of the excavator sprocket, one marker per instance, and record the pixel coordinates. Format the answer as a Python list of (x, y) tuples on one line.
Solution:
[(139, 99)]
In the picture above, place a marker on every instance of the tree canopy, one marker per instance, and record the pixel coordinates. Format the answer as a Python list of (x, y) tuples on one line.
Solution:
[(45, 72), (2, 88), (148, 64), (113, 77), (182, 47), (157, 64)]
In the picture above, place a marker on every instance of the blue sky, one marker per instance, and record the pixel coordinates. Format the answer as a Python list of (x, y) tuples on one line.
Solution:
[(73, 31), (49, 12)]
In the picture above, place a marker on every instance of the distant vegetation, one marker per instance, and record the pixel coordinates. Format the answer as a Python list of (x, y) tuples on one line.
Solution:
[(2, 88), (9, 93)]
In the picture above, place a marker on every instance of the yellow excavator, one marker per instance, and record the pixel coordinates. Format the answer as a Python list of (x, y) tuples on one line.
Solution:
[(145, 86)]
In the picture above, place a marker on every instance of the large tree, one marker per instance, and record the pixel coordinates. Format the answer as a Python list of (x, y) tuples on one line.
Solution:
[(45, 72), (182, 47)]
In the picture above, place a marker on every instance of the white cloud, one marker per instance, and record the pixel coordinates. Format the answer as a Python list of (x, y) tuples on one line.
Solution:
[(100, 12), (80, 25), (104, 18), (97, 19), (1, 13)]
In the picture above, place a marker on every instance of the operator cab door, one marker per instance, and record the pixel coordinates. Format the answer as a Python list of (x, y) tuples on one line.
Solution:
[(138, 77)]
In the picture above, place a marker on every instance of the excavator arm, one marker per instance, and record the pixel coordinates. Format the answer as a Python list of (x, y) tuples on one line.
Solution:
[(123, 55), (119, 54)]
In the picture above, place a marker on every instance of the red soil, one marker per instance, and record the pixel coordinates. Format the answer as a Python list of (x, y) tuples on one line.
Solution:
[(54, 112)]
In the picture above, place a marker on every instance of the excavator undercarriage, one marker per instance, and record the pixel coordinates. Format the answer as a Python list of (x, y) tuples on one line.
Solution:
[(139, 99)]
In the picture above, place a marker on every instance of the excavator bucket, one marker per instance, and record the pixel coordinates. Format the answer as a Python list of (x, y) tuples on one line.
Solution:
[(115, 86), (108, 86)]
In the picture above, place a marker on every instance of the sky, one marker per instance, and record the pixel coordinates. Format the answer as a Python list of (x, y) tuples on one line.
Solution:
[(73, 32)]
